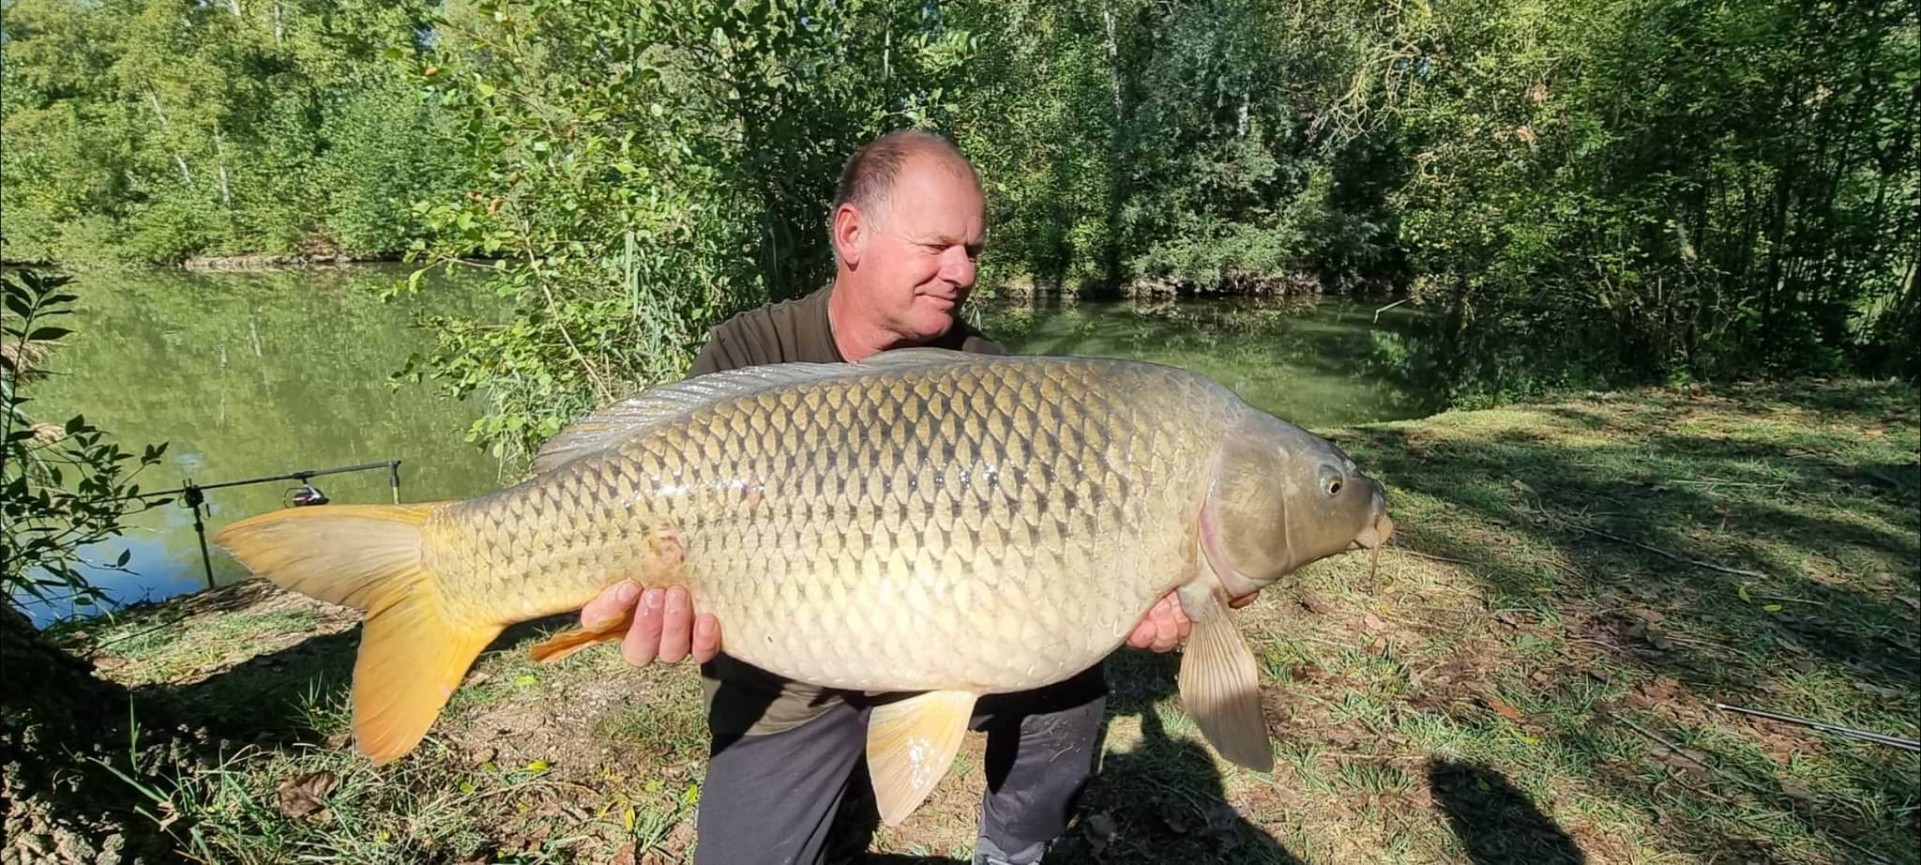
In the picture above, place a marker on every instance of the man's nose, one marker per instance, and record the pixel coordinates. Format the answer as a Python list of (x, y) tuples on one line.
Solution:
[(956, 267)]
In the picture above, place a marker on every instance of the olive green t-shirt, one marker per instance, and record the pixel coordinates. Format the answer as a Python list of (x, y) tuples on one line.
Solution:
[(743, 699)]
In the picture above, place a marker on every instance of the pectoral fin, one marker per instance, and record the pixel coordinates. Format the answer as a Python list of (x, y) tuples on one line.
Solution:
[(910, 744), (1220, 683)]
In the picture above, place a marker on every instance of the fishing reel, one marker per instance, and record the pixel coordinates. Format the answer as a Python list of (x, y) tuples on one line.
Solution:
[(305, 495)]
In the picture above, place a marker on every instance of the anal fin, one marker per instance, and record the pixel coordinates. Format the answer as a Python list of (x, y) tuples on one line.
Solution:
[(664, 555), (1220, 682), (573, 640), (910, 745)]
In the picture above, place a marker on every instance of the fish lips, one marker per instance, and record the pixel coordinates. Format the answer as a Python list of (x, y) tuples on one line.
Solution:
[(1377, 532), (1375, 535)]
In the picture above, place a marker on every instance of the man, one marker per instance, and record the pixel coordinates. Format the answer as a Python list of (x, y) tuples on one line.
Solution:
[(908, 221)]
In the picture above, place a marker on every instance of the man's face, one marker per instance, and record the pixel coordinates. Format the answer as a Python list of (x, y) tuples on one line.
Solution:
[(915, 264)]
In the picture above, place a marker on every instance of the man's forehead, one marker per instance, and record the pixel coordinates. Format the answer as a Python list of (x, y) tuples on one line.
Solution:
[(936, 173), (934, 202)]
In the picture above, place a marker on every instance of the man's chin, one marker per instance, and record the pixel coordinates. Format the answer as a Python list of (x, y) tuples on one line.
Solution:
[(931, 321)]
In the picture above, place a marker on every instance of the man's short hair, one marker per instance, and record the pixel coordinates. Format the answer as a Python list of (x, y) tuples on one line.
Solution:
[(867, 181)]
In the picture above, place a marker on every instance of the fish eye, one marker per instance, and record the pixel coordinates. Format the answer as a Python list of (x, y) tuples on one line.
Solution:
[(1331, 480), (1334, 486)]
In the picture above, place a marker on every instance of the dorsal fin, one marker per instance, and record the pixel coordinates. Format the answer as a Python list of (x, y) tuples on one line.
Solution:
[(614, 423), (604, 428), (901, 357)]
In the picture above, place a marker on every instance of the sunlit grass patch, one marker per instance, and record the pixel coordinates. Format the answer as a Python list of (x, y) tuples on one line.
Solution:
[(1635, 559)]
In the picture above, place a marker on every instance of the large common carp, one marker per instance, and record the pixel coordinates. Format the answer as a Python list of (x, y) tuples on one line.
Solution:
[(925, 522)]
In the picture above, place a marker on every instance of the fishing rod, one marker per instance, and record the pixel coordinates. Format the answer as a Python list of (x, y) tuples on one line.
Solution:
[(194, 496), (1877, 738), (392, 467)]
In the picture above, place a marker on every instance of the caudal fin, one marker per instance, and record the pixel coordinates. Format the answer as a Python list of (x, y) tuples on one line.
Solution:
[(413, 654)]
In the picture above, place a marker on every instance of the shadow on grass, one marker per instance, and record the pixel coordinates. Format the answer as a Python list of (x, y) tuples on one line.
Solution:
[(1745, 546), (265, 700), (1496, 822), (1163, 800), (1643, 536), (262, 701)]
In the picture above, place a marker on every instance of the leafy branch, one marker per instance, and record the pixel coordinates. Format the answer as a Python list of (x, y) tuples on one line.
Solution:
[(64, 487)]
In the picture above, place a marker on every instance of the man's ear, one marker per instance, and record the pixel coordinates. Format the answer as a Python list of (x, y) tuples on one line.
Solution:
[(849, 234)]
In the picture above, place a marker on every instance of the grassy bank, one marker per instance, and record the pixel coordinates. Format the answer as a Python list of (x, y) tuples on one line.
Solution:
[(1529, 677)]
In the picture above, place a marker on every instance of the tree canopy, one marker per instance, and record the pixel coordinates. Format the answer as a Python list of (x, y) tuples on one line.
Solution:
[(1581, 193)]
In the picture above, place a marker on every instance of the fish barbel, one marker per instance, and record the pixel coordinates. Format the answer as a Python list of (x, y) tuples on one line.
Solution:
[(924, 522)]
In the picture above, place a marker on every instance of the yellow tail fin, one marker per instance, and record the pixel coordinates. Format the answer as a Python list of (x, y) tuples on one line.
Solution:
[(412, 653)]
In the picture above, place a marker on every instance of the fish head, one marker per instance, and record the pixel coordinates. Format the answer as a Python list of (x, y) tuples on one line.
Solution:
[(1280, 498)]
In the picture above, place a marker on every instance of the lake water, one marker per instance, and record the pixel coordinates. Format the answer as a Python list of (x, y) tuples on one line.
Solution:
[(257, 374)]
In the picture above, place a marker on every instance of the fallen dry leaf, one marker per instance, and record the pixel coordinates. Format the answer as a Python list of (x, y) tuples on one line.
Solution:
[(623, 856), (1797, 790), (1502, 708), (1657, 692), (306, 795)]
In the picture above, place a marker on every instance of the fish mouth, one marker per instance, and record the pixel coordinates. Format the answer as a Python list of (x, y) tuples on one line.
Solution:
[(1374, 536)]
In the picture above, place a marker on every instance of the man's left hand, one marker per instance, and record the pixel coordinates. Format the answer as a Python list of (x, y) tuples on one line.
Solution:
[(1167, 624)]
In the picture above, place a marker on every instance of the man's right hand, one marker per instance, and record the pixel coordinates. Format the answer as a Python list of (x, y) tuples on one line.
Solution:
[(665, 627)]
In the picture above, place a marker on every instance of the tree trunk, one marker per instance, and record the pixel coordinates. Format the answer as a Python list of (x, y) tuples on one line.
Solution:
[(220, 158), (58, 805), (1118, 145), (153, 99)]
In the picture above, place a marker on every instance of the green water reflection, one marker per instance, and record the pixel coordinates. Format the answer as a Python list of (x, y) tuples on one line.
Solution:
[(266, 373), (248, 375)]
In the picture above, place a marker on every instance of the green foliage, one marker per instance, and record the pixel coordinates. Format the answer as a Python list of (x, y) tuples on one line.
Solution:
[(1203, 146), (64, 487), (1616, 191), (156, 130), (1589, 193), (388, 148), (643, 172)]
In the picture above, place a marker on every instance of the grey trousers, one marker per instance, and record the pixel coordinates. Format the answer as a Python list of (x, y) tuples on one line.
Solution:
[(773, 798)]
